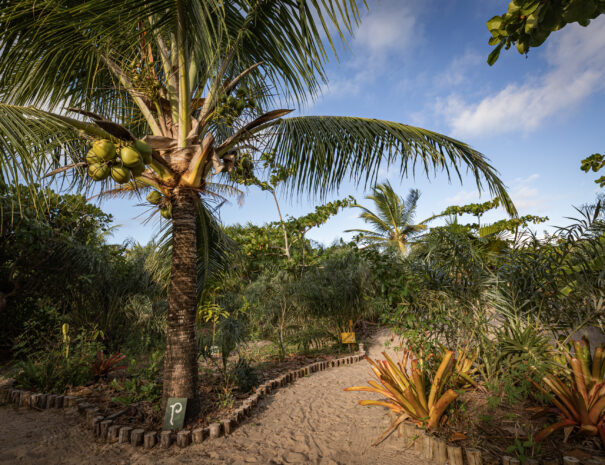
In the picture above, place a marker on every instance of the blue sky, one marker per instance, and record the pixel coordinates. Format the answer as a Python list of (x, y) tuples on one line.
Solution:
[(424, 63)]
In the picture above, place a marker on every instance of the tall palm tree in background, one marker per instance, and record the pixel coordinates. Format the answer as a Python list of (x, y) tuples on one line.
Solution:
[(203, 83), (392, 220)]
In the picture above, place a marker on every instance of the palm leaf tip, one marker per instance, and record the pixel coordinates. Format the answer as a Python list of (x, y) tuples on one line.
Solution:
[(329, 149)]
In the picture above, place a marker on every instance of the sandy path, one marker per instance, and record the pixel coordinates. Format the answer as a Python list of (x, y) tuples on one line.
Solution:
[(309, 422)]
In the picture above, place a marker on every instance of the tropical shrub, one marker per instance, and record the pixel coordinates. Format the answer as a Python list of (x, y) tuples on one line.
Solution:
[(56, 267), (102, 365), (406, 389), (64, 363), (338, 289), (272, 299), (579, 395), (142, 382), (244, 375)]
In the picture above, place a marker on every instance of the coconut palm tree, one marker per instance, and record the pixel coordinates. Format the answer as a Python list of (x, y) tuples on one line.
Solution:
[(393, 219), (200, 83)]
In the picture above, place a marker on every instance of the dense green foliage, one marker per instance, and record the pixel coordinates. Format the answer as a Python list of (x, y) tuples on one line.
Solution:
[(499, 292), (512, 297), (528, 23), (55, 268)]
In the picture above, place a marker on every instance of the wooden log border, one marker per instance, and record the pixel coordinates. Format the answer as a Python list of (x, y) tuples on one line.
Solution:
[(439, 452), (108, 431)]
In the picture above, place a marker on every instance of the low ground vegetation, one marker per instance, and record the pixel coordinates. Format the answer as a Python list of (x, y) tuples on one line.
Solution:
[(489, 320)]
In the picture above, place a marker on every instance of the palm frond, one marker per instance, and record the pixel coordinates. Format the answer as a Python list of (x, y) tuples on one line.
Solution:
[(329, 149), (409, 211), (380, 224), (33, 141), (226, 189), (133, 189), (288, 38)]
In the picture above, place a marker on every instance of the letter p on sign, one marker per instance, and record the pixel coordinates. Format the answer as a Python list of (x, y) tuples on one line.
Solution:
[(174, 418)]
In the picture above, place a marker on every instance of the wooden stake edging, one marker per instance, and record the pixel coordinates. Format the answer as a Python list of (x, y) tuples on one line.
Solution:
[(113, 433), (198, 436), (165, 439), (427, 445), (454, 455), (136, 437), (215, 430), (440, 452), (105, 424), (419, 441), (124, 436), (96, 425), (473, 457), (183, 438), (227, 426), (105, 430), (409, 433), (567, 460), (508, 460), (550, 461), (149, 439)]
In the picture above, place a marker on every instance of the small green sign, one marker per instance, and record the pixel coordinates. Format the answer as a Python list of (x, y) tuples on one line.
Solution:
[(175, 413)]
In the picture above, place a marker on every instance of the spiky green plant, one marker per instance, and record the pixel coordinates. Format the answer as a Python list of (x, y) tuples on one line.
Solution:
[(406, 389), (579, 395)]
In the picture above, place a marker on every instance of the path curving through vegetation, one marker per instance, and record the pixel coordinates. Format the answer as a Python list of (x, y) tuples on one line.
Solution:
[(311, 421)]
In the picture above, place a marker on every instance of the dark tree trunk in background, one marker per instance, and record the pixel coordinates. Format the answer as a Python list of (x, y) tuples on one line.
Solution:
[(180, 365)]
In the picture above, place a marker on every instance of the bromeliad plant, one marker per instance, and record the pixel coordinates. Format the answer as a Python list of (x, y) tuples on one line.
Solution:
[(406, 390), (580, 395), (464, 369), (102, 366)]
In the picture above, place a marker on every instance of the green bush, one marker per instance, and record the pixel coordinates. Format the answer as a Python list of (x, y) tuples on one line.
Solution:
[(142, 383), (244, 375), (65, 363)]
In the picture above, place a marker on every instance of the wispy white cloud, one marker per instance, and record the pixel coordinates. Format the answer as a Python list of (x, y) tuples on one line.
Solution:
[(458, 70), (388, 31), (576, 70), (527, 197), (463, 197), (387, 28), (524, 192)]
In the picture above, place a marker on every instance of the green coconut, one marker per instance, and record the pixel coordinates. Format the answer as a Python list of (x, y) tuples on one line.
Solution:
[(154, 197), (144, 149), (92, 158), (130, 156), (120, 174), (137, 170), (98, 172), (166, 212), (105, 149)]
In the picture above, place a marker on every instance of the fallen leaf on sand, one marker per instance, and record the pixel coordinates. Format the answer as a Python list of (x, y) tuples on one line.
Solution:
[(457, 437)]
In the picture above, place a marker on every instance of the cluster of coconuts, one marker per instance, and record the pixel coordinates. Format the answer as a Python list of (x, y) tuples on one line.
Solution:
[(230, 108), (156, 198), (122, 163)]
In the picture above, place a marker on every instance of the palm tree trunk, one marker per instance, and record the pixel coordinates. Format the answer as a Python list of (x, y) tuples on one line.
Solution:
[(180, 364)]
